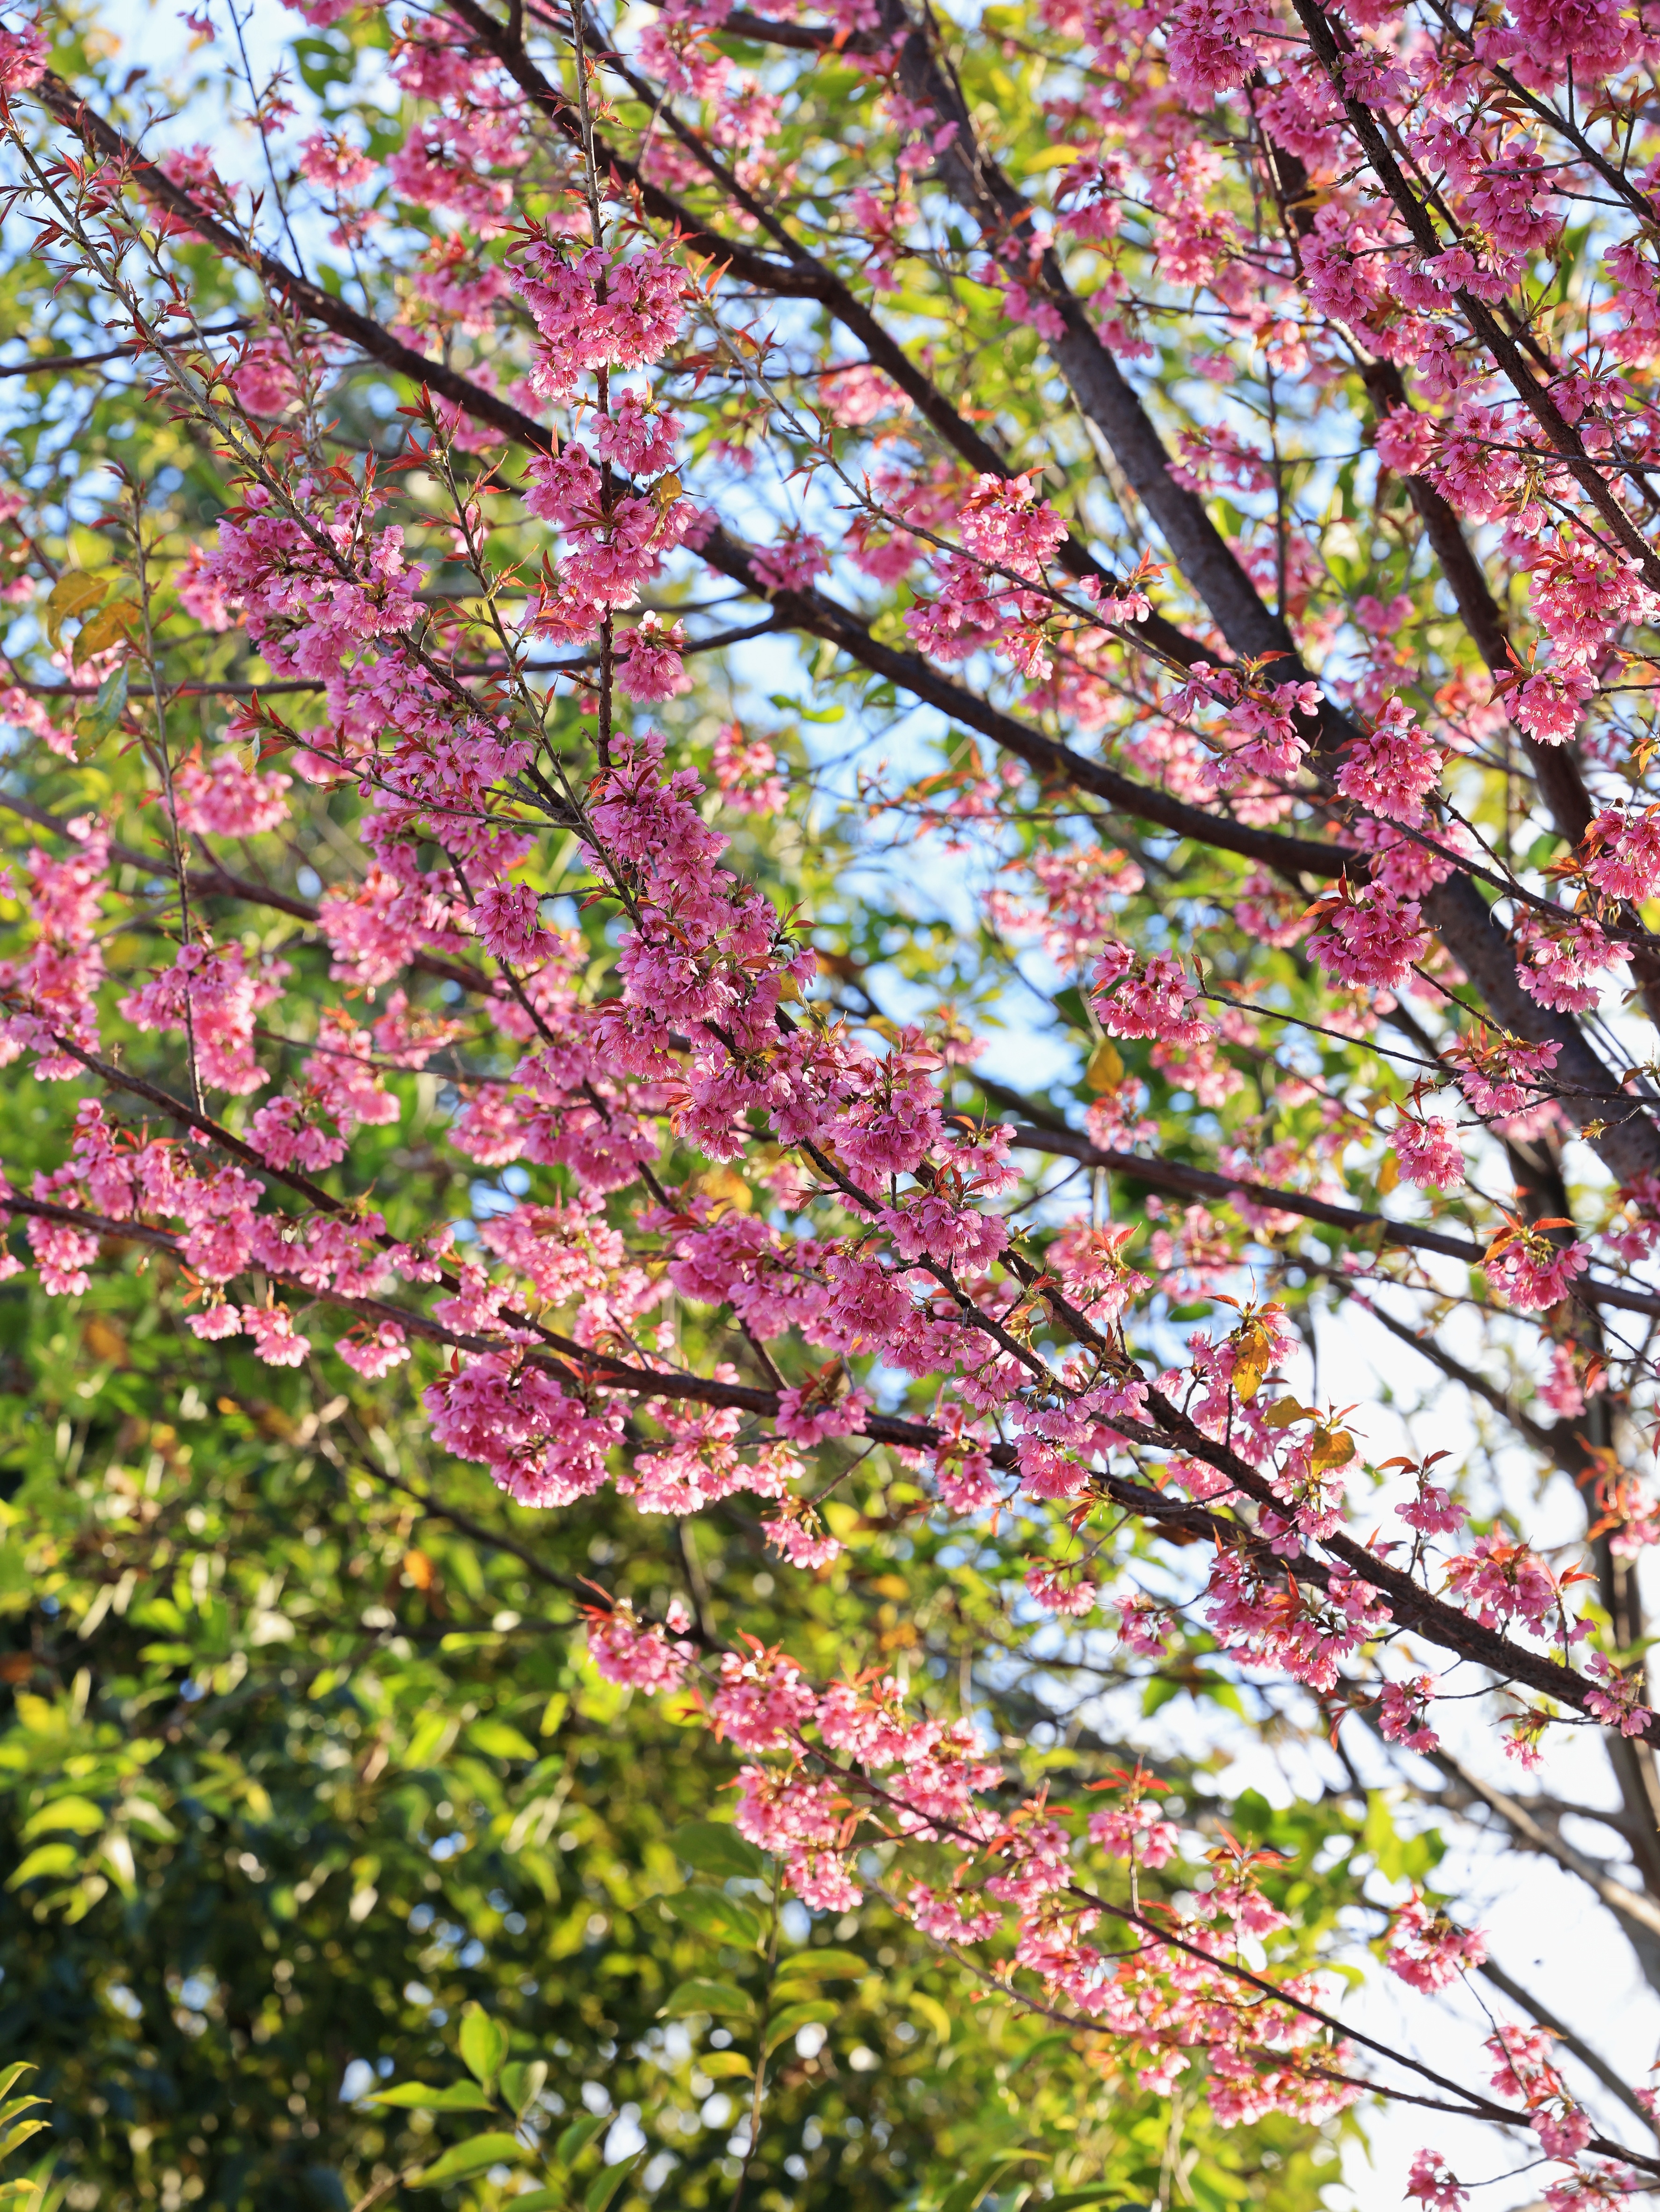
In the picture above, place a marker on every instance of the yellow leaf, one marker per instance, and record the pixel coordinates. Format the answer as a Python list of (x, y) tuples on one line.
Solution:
[(119, 619), (1332, 1448), (727, 1186), (1253, 1353), (74, 594), (104, 1341), (1388, 1173), (1105, 1071), (1284, 1411)]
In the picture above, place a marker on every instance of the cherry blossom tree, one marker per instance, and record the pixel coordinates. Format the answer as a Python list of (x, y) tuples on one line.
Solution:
[(1206, 460)]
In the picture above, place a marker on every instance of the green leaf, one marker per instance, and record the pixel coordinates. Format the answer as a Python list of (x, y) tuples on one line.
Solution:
[(1215, 2188), (1058, 2039), (783, 2025), (483, 2044), (108, 707), (463, 2159), (829, 1966), (417, 2097), (541, 2200), (606, 2185), (10, 2076), (716, 1850), (1101, 2192), (523, 2080), (500, 1740), (698, 1995), (430, 1738), (149, 1816), (712, 1913), (13, 2138), (78, 1814), (575, 2139), (48, 1859), (967, 2194)]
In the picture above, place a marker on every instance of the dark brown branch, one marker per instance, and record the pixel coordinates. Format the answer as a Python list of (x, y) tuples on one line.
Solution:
[(133, 351), (1543, 2016), (219, 882), (1413, 1606), (1563, 438), (1176, 1177), (1629, 1144)]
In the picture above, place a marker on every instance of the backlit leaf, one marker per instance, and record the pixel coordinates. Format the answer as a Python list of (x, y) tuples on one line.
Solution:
[(463, 2159)]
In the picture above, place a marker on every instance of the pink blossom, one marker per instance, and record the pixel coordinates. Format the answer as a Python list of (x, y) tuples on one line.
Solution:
[(801, 1536), (965, 1482), (1001, 524), (508, 917), (1405, 441), (1434, 2184), (1531, 1273), (1429, 1152), (1501, 1580), (790, 565), (1559, 961), (648, 664), (1210, 47), (808, 1413), (1427, 1951), (1057, 1589), (1548, 705), (23, 57), (1392, 770), (1371, 940), (743, 771), (764, 1700), (1617, 1701), (63, 1254), (276, 1339), (1402, 1718), (376, 1353), (636, 436), (646, 1658), (1623, 848), (1150, 998), (227, 799), (331, 161), (224, 990), (1136, 1830), (215, 1322)]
